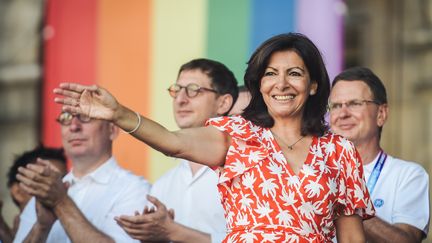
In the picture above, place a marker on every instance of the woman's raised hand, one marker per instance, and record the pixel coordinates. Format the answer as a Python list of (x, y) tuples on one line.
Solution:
[(93, 101)]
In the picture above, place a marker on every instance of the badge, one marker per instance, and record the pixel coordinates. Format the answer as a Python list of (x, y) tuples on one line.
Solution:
[(378, 203)]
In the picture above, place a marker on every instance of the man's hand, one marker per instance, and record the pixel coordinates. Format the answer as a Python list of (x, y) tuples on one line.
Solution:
[(378, 230), (151, 225), (45, 216), (44, 181)]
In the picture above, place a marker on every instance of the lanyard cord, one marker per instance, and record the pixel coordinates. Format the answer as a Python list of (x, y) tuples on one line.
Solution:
[(376, 172)]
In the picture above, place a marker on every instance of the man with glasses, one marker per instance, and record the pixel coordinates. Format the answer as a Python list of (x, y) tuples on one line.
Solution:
[(204, 89), (399, 189), (80, 207)]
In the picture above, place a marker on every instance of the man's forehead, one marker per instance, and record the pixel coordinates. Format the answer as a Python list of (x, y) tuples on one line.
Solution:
[(193, 76), (351, 89)]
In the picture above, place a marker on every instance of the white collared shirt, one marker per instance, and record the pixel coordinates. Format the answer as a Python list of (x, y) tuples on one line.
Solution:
[(194, 198), (107, 192)]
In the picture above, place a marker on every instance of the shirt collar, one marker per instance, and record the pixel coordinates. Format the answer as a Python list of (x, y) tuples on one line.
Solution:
[(101, 175), (185, 165), (372, 164)]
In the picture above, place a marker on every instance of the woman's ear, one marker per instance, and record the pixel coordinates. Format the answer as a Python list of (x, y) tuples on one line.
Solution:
[(313, 88), (225, 104)]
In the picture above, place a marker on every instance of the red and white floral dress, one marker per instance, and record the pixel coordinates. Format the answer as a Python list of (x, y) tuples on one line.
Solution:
[(265, 201)]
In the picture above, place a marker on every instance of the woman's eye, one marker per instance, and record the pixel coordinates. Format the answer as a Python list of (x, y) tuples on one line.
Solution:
[(269, 73), (297, 74)]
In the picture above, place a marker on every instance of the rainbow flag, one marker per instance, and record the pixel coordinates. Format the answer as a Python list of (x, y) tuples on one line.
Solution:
[(134, 49)]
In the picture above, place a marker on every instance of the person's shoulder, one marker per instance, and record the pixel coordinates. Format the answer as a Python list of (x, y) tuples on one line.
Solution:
[(130, 177), (166, 182), (407, 167), (168, 176), (223, 120), (236, 126)]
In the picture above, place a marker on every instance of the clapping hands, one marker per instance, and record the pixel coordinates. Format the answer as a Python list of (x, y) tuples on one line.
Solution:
[(154, 224)]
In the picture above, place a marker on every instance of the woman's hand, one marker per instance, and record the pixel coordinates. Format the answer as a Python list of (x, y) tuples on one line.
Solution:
[(93, 101)]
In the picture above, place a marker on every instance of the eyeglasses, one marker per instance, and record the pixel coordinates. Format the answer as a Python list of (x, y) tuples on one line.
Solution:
[(352, 105), (65, 118), (192, 90)]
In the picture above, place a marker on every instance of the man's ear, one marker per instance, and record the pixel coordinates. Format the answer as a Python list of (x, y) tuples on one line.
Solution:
[(114, 131), (225, 102), (382, 114)]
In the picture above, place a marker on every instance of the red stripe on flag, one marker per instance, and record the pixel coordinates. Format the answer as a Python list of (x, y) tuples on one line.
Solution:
[(69, 55)]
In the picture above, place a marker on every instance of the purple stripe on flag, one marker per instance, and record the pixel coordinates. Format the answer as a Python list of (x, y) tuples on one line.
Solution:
[(321, 21)]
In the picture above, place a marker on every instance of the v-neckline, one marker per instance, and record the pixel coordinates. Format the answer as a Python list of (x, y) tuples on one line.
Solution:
[(307, 161)]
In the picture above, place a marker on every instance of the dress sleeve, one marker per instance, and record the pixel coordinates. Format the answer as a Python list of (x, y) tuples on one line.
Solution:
[(235, 126), (246, 149), (353, 195)]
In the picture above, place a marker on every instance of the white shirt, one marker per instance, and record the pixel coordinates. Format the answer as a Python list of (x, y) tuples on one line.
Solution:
[(107, 192), (401, 194), (194, 198)]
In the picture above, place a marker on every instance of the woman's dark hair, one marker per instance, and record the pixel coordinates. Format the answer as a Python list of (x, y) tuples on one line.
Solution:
[(316, 105)]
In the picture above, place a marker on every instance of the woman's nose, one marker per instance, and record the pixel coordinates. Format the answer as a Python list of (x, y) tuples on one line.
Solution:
[(283, 82)]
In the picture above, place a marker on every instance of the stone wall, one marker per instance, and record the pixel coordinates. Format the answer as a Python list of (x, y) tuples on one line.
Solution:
[(20, 41)]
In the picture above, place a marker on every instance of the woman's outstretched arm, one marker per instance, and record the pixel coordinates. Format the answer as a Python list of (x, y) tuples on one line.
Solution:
[(205, 145)]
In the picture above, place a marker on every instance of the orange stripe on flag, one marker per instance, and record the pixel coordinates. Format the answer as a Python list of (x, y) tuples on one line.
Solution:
[(124, 52)]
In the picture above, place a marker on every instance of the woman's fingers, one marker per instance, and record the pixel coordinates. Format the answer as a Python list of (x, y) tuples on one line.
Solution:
[(72, 109), (77, 87), (67, 101), (67, 93)]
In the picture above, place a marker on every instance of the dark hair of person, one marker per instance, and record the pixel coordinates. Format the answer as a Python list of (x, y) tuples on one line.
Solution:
[(243, 88), (365, 75), (316, 105), (222, 79), (369, 78), (30, 157)]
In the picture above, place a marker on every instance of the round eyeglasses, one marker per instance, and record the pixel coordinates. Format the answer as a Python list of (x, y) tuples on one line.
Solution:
[(65, 118), (192, 90)]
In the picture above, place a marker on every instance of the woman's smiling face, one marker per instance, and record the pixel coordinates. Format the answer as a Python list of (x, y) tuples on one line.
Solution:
[(286, 85)]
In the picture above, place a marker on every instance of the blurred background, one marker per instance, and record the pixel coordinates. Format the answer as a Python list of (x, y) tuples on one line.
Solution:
[(134, 48)]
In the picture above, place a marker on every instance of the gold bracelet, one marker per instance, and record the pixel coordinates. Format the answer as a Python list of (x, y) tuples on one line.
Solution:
[(138, 125)]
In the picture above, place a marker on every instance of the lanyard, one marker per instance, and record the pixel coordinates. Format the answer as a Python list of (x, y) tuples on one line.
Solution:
[(376, 172)]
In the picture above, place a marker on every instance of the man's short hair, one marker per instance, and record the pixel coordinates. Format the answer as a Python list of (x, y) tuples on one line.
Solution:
[(30, 157), (222, 79), (369, 78)]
